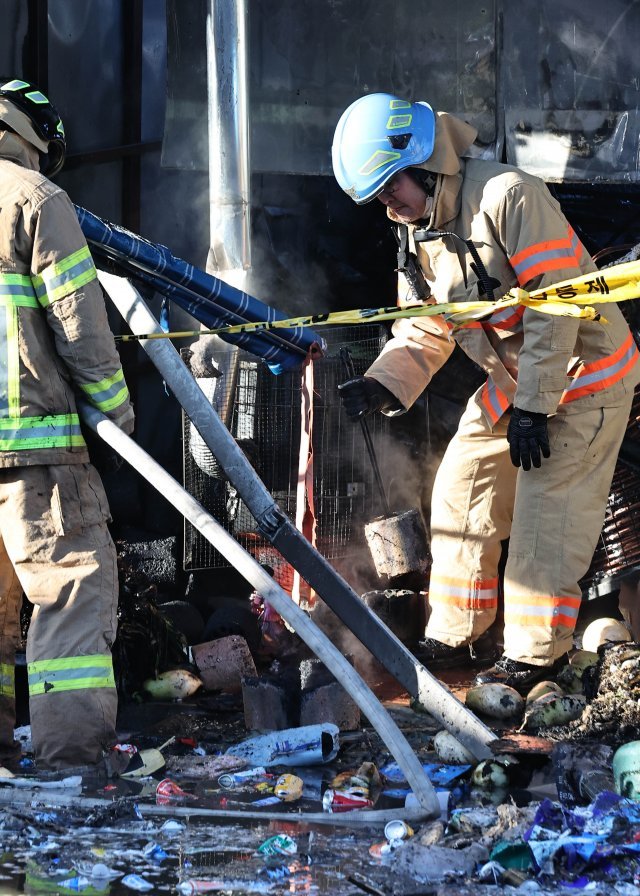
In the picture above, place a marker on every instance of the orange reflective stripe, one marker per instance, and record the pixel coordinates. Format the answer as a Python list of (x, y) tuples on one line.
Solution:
[(603, 373), (493, 400), (467, 594), (507, 319), (541, 610), (549, 255)]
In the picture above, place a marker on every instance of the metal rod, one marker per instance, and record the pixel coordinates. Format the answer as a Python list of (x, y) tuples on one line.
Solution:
[(347, 360)]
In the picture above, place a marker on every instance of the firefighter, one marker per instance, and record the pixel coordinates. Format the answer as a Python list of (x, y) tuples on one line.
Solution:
[(534, 453), (55, 546)]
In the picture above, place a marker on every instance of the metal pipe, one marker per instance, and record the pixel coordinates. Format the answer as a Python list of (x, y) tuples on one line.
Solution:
[(228, 120), (283, 535), (248, 567)]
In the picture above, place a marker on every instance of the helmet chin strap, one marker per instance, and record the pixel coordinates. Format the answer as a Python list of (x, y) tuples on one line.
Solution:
[(428, 208)]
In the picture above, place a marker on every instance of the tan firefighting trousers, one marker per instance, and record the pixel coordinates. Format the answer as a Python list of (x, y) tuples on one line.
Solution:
[(55, 546), (552, 516)]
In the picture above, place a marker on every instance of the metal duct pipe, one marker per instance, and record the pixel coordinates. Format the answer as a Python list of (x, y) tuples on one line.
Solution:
[(228, 118)]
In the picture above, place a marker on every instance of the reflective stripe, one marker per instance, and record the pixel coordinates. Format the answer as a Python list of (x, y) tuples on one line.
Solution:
[(7, 680), (109, 393), (550, 611), (12, 347), (507, 319), (467, 594), (493, 400), (549, 255), (17, 289), (65, 277), (599, 375), (71, 673), (58, 431)]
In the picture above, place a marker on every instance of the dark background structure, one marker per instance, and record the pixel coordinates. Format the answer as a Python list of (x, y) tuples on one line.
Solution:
[(551, 86)]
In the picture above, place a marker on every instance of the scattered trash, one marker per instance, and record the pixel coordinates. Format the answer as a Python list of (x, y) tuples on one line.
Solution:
[(309, 745), (173, 684), (599, 631), (233, 780), (398, 830), (73, 782), (203, 766), (154, 852), (493, 774), (541, 689), (341, 801), (449, 749), (168, 789), (280, 845), (383, 848), (441, 776), (136, 882), (498, 701), (187, 888), (288, 788), (553, 709), (626, 770)]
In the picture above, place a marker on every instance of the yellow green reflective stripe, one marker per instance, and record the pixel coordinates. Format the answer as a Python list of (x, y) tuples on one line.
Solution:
[(109, 393), (7, 680), (17, 289), (379, 159), (61, 279), (70, 673), (25, 433), (13, 363)]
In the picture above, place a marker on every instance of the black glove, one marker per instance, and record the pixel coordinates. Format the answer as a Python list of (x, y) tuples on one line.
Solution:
[(363, 395), (528, 436)]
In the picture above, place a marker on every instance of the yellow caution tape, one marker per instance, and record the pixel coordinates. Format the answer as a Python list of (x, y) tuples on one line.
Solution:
[(570, 298)]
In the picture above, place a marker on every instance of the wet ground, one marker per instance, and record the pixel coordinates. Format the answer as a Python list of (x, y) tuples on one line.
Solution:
[(180, 831), (101, 836)]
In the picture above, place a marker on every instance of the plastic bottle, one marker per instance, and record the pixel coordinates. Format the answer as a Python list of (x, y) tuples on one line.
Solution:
[(308, 745), (626, 770)]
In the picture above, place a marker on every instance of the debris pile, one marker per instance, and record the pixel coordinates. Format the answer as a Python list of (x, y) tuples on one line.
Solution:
[(612, 687)]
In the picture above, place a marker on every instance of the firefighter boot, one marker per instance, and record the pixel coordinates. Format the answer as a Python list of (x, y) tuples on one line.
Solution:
[(434, 654), (521, 676)]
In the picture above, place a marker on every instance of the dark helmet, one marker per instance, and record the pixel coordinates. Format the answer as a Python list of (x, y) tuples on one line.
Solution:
[(48, 129)]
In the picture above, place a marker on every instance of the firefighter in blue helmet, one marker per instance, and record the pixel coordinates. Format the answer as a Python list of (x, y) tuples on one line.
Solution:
[(55, 546), (535, 451)]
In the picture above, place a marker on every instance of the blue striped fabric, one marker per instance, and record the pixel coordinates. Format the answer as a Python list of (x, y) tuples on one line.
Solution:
[(206, 298)]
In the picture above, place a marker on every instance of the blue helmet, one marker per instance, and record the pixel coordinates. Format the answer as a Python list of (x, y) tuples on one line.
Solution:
[(377, 136)]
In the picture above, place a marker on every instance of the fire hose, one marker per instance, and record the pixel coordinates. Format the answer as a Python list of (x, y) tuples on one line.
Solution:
[(282, 534)]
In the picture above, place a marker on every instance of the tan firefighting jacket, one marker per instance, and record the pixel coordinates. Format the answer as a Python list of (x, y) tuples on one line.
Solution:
[(55, 341), (533, 360)]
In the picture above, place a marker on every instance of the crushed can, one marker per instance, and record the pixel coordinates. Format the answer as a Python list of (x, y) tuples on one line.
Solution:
[(398, 830), (167, 790), (233, 780), (280, 845), (288, 788), (384, 848), (342, 801)]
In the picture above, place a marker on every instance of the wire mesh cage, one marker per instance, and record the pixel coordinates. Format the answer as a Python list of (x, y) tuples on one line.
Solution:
[(263, 413), (617, 553)]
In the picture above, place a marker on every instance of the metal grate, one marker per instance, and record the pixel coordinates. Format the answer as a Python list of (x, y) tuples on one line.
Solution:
[(618, 551), (262, 411)]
